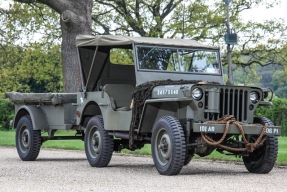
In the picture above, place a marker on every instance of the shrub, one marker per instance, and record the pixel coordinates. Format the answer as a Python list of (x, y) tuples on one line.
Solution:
[(6, 114), (277, 113)]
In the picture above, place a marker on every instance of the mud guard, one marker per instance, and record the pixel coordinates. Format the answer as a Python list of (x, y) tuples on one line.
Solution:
[(37, 115)]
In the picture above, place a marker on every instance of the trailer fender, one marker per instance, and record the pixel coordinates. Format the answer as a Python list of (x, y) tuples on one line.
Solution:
[(37, 115)]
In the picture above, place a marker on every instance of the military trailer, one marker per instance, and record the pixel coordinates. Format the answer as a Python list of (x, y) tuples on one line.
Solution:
[(168, 93)]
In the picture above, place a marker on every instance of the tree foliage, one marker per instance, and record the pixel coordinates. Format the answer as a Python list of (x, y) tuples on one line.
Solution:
[(121, 56), (246, 75), (146, 18), (74, 18), (259, 43), (279, 84), (6, 114), (277, 113), (24, 23), (34, 69), (27, 66)]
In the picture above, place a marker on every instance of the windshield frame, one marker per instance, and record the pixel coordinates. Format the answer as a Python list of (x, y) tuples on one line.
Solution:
[(177, 49)]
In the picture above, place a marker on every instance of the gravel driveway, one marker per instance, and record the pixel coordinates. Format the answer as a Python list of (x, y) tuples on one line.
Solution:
[(64, 170)]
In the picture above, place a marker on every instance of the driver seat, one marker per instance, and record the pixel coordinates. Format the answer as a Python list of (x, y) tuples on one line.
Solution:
[(120, 96)]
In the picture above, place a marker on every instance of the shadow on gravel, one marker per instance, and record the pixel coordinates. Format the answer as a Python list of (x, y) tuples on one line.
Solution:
[(184, 172), (212, 171), (132, 166), (62, 159)]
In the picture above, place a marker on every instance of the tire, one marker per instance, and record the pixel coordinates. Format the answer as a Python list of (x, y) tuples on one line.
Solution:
[(263, 159), (168, 146), (188, 158), (98, 144), (28, 141)]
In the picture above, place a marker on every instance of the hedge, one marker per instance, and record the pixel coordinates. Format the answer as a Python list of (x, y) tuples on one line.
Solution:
[(6, 114), (277, 113)]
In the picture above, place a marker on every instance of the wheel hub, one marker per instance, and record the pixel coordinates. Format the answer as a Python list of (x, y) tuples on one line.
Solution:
[(164, 148), (25, 139), (96, 142)]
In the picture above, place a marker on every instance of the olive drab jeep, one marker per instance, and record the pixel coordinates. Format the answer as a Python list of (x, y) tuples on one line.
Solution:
[(165, 92)]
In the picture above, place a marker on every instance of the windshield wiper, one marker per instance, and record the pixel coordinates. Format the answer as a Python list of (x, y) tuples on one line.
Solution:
[(148, 53)]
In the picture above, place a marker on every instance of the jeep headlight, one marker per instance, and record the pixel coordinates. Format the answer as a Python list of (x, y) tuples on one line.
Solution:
[(253, 96), (196, 93)]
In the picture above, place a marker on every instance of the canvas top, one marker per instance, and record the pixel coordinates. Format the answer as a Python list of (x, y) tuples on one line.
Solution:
[(112, 40)]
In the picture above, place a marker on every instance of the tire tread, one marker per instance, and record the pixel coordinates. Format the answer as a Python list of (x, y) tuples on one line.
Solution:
[(266, 164), (106, 152), (36, 140), (179, 146)]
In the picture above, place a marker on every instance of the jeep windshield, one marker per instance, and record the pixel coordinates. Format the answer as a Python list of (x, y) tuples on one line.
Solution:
[(180, 60)]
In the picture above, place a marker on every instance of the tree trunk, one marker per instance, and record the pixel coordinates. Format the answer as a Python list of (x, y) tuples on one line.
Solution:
[(75, 19)]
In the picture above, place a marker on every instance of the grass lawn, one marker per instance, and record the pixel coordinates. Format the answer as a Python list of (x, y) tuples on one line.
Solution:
[(7, 138)]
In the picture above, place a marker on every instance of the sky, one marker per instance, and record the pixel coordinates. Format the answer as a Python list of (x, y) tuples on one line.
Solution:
[(261, 13)]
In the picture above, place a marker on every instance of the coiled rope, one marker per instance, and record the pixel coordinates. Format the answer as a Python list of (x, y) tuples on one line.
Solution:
[(227, 120)]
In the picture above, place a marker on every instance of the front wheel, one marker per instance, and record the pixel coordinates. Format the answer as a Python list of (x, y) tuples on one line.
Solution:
[(98, 144), (263, 159), (188, 156), (168, 146), (28, 141)]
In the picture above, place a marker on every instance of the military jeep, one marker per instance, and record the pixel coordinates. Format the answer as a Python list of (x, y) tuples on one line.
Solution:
[(165, 92)]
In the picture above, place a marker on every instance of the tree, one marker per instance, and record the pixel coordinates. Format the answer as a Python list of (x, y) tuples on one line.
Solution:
[(266, 74), (34, 69), (279, 84), (246, 75), (6, 113), (203, 21), (24, 23), (146, 18), (26, 66), (75, 19), (277, 113), (259, 43)]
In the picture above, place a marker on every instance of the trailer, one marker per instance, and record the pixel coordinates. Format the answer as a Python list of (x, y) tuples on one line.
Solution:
[(139, 90)]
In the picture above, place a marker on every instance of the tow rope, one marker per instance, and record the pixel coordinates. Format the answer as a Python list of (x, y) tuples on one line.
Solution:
[(227, 120)]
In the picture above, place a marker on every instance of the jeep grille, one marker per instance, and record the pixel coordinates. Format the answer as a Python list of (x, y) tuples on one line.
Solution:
[(232, 102)]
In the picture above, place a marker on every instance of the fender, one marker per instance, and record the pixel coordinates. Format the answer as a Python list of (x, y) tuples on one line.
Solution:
[(153, 110), (37, 115)]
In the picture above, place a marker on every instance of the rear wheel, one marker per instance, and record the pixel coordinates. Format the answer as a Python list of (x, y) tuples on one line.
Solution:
[(262, 160), (28, 141), (98, 144), (168, 146)]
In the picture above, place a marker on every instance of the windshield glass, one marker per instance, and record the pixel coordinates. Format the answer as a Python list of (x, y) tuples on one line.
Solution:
[(178, 60)]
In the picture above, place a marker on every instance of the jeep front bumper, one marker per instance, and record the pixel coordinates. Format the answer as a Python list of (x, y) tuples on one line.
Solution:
[(249, 129)]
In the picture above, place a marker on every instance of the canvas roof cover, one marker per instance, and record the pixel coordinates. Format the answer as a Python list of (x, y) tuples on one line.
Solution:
[(112, 40)]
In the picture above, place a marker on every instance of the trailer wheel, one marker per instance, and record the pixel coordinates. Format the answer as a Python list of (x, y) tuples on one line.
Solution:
[(262, 160), (28, 141), (168, 146), (98, 144)]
